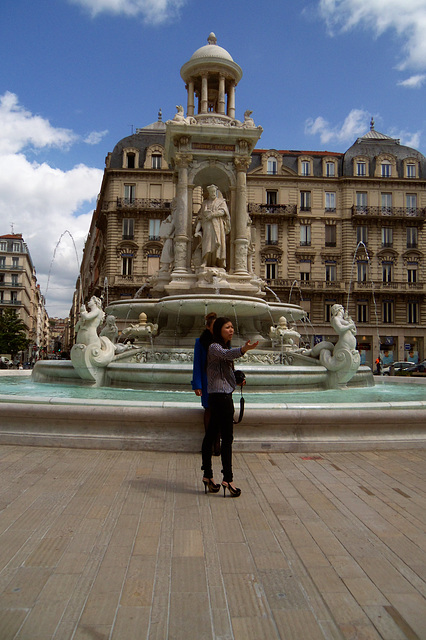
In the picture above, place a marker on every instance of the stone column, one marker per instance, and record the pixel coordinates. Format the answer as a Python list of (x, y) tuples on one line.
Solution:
[(182, 161), (190, 107), (221, 99), (204, 94), (241, 217), (231, 101)]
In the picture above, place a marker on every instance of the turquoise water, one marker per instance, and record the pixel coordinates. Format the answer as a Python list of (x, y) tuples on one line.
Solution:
[(24, 388)]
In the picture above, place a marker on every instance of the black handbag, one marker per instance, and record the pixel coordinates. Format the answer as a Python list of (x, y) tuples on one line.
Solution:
[(240, 378)]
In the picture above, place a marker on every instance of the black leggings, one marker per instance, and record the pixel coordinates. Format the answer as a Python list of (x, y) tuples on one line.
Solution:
[(221, 406)]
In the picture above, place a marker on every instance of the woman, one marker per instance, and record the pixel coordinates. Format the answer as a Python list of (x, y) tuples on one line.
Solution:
[(220, 385)]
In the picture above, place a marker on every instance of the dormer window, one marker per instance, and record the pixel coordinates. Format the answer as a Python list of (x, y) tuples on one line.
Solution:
[(156, 161), (386, 169), (306, 168), (130, 160), (330, 169), (272, 167), (361, 168), (411, 170)]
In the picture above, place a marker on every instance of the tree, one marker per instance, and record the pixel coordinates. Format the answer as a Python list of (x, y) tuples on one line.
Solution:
[(12, 333)]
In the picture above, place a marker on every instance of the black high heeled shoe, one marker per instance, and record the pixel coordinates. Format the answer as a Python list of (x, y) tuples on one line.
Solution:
[(234, 491), (210, 485)]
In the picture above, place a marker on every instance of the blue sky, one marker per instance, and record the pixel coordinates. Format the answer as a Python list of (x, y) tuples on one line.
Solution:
[(77, 75)]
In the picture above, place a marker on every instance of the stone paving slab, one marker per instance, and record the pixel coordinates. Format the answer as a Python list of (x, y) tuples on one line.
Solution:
[(125, 545)]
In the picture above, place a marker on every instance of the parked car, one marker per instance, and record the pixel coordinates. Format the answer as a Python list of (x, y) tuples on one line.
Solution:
[(395, 367), (417, 369)]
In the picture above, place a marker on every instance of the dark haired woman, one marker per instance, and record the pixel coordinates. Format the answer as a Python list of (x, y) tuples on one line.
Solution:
[(220, 385)]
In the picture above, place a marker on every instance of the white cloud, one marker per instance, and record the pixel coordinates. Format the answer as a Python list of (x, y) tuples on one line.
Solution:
[(19, 128), (413, 82), (152, 11), (42, 202), (406, 18), (95, 137), (354, 125)]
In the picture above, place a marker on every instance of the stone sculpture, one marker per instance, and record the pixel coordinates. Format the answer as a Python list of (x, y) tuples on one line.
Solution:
[(212, 225)]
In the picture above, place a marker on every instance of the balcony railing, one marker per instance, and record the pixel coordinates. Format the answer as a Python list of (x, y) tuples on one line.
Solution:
[(142, 203), (284, 210), (388, 212)]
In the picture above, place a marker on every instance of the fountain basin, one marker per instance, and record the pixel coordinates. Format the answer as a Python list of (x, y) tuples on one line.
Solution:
[(164, 425)]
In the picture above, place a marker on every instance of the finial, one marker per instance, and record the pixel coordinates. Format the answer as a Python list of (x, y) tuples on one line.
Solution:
[(212, 38), (160, 115), (372, 124)]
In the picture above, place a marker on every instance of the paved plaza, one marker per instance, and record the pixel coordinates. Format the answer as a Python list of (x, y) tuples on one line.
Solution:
[(124, 545)]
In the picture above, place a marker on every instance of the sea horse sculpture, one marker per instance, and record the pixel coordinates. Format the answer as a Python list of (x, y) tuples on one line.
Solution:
[(92, 353), (341, 359)]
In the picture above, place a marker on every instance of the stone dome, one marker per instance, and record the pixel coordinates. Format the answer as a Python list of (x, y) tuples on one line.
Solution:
[(211, 50)]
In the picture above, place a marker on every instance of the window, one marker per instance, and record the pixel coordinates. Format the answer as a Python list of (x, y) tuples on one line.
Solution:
[(154, 229), (14, 296), (305, 276), (271, 270), (127, 265), (306, 168), (387, 271), (412, 239), (327, 310), (330, 235), (387, 237), (413, 312), (330, 169), (156, 161), (361, 168), (386, 169), (361, 201), (362, 234), (2, 262), (387, 309), (16, 247), (14, 279), (411, 170), (128, 228), (386, 202), (15, 262), (330, 272), (411, 272), (129, 193), (362, 271), (305, 235), (362, 311), (3, 246), (272, 197), (330, 201), (272, 166), (271, 234), (305, 200), (411, 202), (131, 160)]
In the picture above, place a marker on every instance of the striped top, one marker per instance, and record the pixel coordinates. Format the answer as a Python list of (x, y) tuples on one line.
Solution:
[(220, 369)]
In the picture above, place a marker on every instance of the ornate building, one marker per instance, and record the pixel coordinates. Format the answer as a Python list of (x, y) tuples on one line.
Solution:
[(318, 227), (19, 291)]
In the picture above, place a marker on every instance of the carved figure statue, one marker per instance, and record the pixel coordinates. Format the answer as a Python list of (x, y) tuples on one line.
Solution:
[(213, 223), (110, 329), (283, 335), (89, 322), (179, 117), (248, 120), (92, 353), (342, 359), (141, 331), (167, 233)]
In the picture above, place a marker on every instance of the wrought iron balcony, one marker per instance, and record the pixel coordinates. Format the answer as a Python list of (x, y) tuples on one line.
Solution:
[(283, 210), (142, 203), (388, 212)]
